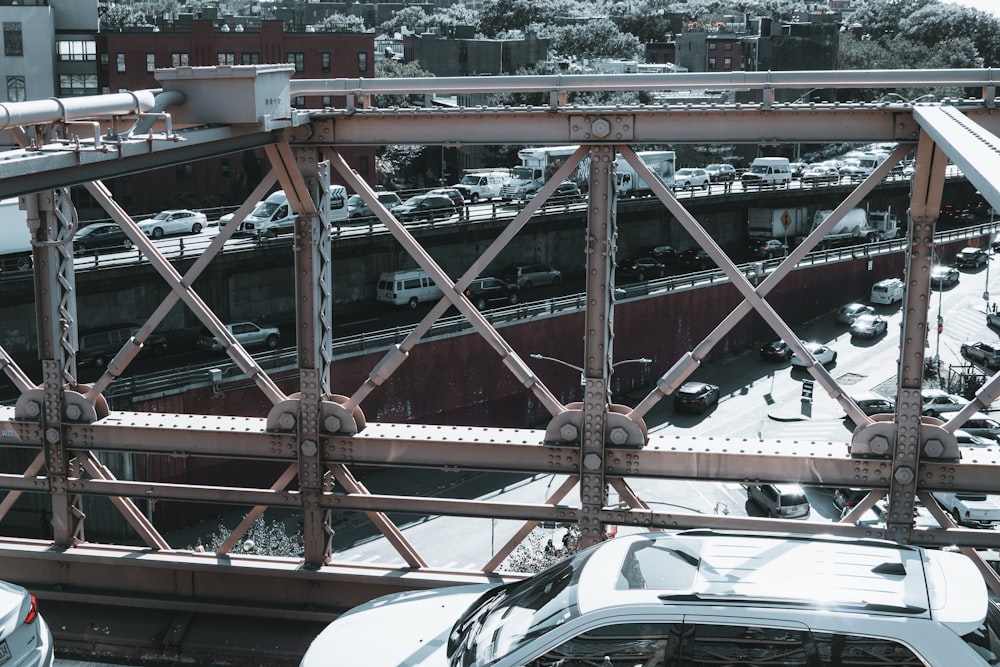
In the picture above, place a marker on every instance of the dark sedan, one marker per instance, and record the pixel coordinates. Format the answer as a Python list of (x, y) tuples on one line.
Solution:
[(944, 276), (641, 268), (696, 397), (100, 236), (776, 350)]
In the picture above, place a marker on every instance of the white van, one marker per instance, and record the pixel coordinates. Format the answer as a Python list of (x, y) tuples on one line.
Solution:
[(479, 185), (887, 291), (274, 216), (410, 287), (767, 171)]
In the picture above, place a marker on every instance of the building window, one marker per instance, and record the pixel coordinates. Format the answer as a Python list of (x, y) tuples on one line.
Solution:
[(299, 101), (727, 63), (15, 89), (77, 84), (179, 60), (150, 62), (227, 58), (298, 59), (362, 61), (324, 61), (729, 46), (120, 63), (251, 58), (104, 62), (327, 101), (711, 46), (12, 44), (711, 63), (70, 50)]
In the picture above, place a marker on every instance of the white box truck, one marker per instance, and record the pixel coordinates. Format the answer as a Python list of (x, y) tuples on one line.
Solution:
[(789, 224), (630, 184), (537, 166)]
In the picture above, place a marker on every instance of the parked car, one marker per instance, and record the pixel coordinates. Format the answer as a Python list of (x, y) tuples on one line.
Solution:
[(424, 207), (820, 174), (451, 193), (983, 353), (690, 178), (486, 291), (944, 276), (100, 236), (797, 168), (701, 597), (869, 326), (952, 215), (971, 258), (641, 268), (25, 637), (767, 248), (721, 173), (782, 501), (358, 209), (177, 221), (823, 354), (873, 403), (984, 426), (776, 350), (566, 192), (696, 397), (852, 311), (966, 439), (527, 276), (936, 401), (247, 334)]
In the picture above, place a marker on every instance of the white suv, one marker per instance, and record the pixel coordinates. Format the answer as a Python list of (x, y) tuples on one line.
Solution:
[(697, 597)]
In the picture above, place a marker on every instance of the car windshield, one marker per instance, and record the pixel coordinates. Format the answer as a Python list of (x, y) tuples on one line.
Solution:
[(507, 617), (265, 209), (414, 201), (355, 200), (469, 179)]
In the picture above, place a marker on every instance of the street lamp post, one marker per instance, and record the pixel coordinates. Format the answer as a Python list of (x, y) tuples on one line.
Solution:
[(583, 379)]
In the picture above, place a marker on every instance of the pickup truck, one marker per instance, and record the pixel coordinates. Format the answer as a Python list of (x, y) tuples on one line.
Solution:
[(971, 509)]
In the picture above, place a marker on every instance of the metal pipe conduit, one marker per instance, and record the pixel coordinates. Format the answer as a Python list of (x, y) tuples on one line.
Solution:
[(886, 78), (70, 108)]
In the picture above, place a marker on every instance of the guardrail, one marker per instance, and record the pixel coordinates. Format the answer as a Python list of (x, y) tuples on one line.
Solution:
[(145, 387), (182, 247)]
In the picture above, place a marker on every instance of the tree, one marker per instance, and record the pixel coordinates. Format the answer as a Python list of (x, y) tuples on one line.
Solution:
[(341, 23), (262, 538), (881, 18), (410, 16), (400, 162), (599, 38), (119, 17), (499, 16)]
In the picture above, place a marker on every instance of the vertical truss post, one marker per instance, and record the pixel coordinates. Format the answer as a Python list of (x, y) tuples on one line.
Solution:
[(55, 304), (602, 233), (306, 182), (925, 205)]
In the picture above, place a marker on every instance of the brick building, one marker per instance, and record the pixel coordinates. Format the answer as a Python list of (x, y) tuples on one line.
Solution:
[(127, 60)]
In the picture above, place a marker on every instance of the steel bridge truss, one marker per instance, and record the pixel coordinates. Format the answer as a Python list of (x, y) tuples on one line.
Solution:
[(319, 434)]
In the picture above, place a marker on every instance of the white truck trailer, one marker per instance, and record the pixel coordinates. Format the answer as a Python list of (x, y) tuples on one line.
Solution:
[(537, 166), (789, 224), (15, 239)]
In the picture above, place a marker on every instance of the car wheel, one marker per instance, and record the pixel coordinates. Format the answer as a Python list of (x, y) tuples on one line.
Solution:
[(513, 298), (413, 302), (158, 233), (475, 198), (127, 244), (527, 285), (704, 186), (23, 263), (196, 228), (271, 342), (833, 358), (481, 303)]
